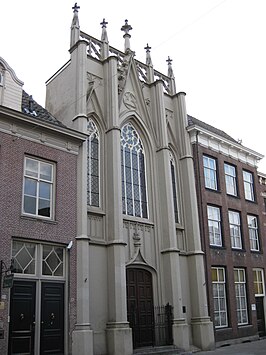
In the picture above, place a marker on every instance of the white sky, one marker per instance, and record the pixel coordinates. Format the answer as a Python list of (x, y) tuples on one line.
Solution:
[(217, 47)]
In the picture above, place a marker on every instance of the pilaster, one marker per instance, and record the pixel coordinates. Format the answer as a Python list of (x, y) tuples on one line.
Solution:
[(82, 334), (119, 336), (202, 327), (169, 249)]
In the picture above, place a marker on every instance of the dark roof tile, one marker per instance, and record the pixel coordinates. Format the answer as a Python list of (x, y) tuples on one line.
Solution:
[(33, 109), (194, 121)]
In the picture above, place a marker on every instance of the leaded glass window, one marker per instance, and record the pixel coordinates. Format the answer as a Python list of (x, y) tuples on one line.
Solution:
[(93, 165), (134, 196), (173, 176), (52, 260), (23, 255)]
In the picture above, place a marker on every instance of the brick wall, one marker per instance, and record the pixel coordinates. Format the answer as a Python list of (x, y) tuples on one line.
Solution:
[(13, 224), (225, 256)]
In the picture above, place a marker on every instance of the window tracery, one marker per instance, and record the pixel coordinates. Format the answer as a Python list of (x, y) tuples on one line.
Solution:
[(134, 196), (93, 175)]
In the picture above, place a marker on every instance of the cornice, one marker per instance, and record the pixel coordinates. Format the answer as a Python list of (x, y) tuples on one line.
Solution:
[(222, 145), (23, 126)]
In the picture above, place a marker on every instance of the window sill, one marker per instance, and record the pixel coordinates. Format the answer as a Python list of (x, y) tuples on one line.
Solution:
[(38, 219), (137, 219), (213, 190), (95, 210), (217, 247)]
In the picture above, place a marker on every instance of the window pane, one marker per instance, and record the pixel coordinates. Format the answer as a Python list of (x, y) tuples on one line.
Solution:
[(31, 167), (30, 187), (30, 204), (23, 255), (44, 190), (53, 259), (44, 208), (46, 171)]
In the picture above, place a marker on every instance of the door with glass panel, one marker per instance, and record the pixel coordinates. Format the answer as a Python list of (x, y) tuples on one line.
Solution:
[(37, 299)]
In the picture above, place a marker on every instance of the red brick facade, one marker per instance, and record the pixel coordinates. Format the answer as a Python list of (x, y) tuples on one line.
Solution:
[(60, 230), (225, 256)]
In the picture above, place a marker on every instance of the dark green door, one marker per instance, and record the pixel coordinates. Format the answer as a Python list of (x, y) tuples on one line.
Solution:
[(52, 318), (22, 318)]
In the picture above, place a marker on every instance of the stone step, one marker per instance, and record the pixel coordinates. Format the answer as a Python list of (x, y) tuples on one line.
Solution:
[(161, 350)]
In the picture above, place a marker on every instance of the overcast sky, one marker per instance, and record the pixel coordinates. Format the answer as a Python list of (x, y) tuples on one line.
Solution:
[(218, 49)]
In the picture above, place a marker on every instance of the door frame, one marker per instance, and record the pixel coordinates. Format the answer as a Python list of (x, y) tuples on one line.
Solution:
[(38, 280), (141, 268), (24, 283)]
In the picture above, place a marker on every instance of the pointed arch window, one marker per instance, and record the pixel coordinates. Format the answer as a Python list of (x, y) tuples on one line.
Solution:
[(93, 175), (173, 177), (134, 195)]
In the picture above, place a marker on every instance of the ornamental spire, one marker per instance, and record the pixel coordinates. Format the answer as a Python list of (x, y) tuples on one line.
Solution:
[(75, 29), (126, 28), (170, 69), (172, 88), (104, 39), (148, 55)]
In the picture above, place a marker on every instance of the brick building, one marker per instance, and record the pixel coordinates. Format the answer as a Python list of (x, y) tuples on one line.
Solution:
[(38, 194), (232, 215)]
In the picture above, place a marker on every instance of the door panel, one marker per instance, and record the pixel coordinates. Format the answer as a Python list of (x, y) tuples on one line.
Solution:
[(260, 316), (140, 306), (52, 318), (22, 318)]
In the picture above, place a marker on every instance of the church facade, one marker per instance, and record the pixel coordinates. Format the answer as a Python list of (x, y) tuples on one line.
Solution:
[(138, 236)]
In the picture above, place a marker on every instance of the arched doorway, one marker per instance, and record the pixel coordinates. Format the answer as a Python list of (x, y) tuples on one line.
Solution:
[(140, 306)]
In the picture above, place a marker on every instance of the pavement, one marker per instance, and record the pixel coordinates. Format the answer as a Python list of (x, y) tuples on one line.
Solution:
[(256, 347)]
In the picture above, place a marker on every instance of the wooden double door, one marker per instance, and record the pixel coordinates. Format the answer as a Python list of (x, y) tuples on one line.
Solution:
[(30, 333), (140, 308)]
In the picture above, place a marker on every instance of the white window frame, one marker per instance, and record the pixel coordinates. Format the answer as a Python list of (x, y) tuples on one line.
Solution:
[(241, 295), (248, 185), (93, 133), (214, 225), (37, 260), (210, 172), (219, 297), (230, 179), (39, 180), (253, 232), (235, 229), (259, 282)]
